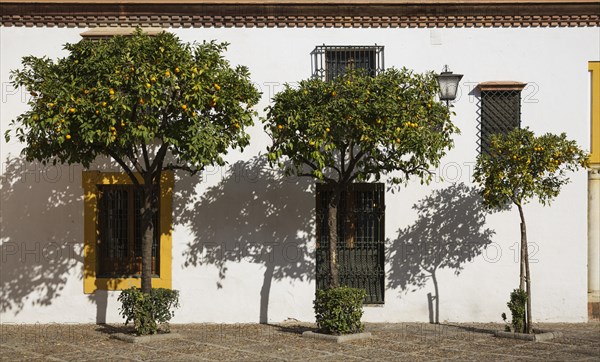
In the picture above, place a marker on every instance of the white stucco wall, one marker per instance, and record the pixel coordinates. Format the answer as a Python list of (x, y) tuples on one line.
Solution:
[(42, 208)]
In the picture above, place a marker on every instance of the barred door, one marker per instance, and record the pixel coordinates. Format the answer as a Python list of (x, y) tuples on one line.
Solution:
[(361, 258)]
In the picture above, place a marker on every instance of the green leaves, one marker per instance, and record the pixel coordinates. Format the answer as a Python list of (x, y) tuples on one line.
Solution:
[(339, 310), (516, 305), (357, 127), (522, 166), (148, 312), (114, 96)]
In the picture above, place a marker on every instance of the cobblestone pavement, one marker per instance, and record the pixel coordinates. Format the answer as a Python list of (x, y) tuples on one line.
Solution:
[(256, 342)]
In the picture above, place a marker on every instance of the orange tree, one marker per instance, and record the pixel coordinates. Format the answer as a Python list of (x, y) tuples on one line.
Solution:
[(520, 167), (151, 103), (355, 128)]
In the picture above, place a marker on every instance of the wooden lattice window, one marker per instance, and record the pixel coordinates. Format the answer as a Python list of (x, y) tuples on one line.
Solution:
[(500, 110), (120, 234), (361, 238)]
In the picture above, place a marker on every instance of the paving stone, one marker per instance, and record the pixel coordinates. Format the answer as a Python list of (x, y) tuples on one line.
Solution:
[(285, 351), (223, 353), (398, 346), (12, 354), (254, 342), (335, 357), (338, 339)]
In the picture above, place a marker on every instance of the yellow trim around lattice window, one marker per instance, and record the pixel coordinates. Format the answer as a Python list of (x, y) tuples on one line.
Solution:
[(594, 68), (90, 182)]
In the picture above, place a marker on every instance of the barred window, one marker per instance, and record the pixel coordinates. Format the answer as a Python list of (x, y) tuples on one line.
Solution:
[(360, 246), (120, 233), (500, 110), (329, 61)]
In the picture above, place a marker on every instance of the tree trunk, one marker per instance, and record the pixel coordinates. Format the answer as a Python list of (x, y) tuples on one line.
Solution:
[(334, 278), (524, 278), (529, 326), (148, 234), (437, 297), (522, 252)]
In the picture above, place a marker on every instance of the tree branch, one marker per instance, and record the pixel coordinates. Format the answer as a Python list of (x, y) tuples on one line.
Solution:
[(343, 160), (347, 177), (134, 161), (307, 162), (145, 153), (171, 166), (124, 166), (328, 179), (159, 158)]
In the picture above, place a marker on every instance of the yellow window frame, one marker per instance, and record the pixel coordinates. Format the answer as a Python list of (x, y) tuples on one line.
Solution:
[(90, 182), (594, 68)]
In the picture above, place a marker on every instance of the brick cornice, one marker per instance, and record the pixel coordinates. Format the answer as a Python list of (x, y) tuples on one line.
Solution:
[(185, 15)]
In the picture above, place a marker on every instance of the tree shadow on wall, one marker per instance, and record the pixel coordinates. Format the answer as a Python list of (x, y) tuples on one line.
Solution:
[(449, 231), (185, 185), (256, 215), (40, 242)]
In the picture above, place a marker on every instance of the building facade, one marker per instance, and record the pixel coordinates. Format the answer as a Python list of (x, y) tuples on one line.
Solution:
[(240, 242)]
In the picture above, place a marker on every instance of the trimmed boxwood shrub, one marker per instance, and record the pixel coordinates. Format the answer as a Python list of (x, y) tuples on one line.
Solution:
[(517, 306), (339, 310), (149, 312)]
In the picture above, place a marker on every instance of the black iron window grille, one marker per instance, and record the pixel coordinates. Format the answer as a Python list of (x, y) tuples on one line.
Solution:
[(329, 61), (120, 234), (500, 113), (361, 239)]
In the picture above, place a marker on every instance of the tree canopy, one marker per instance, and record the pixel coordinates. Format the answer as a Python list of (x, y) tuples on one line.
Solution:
[(151, 103), (521, 167), (358, 126), (127, 95)]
